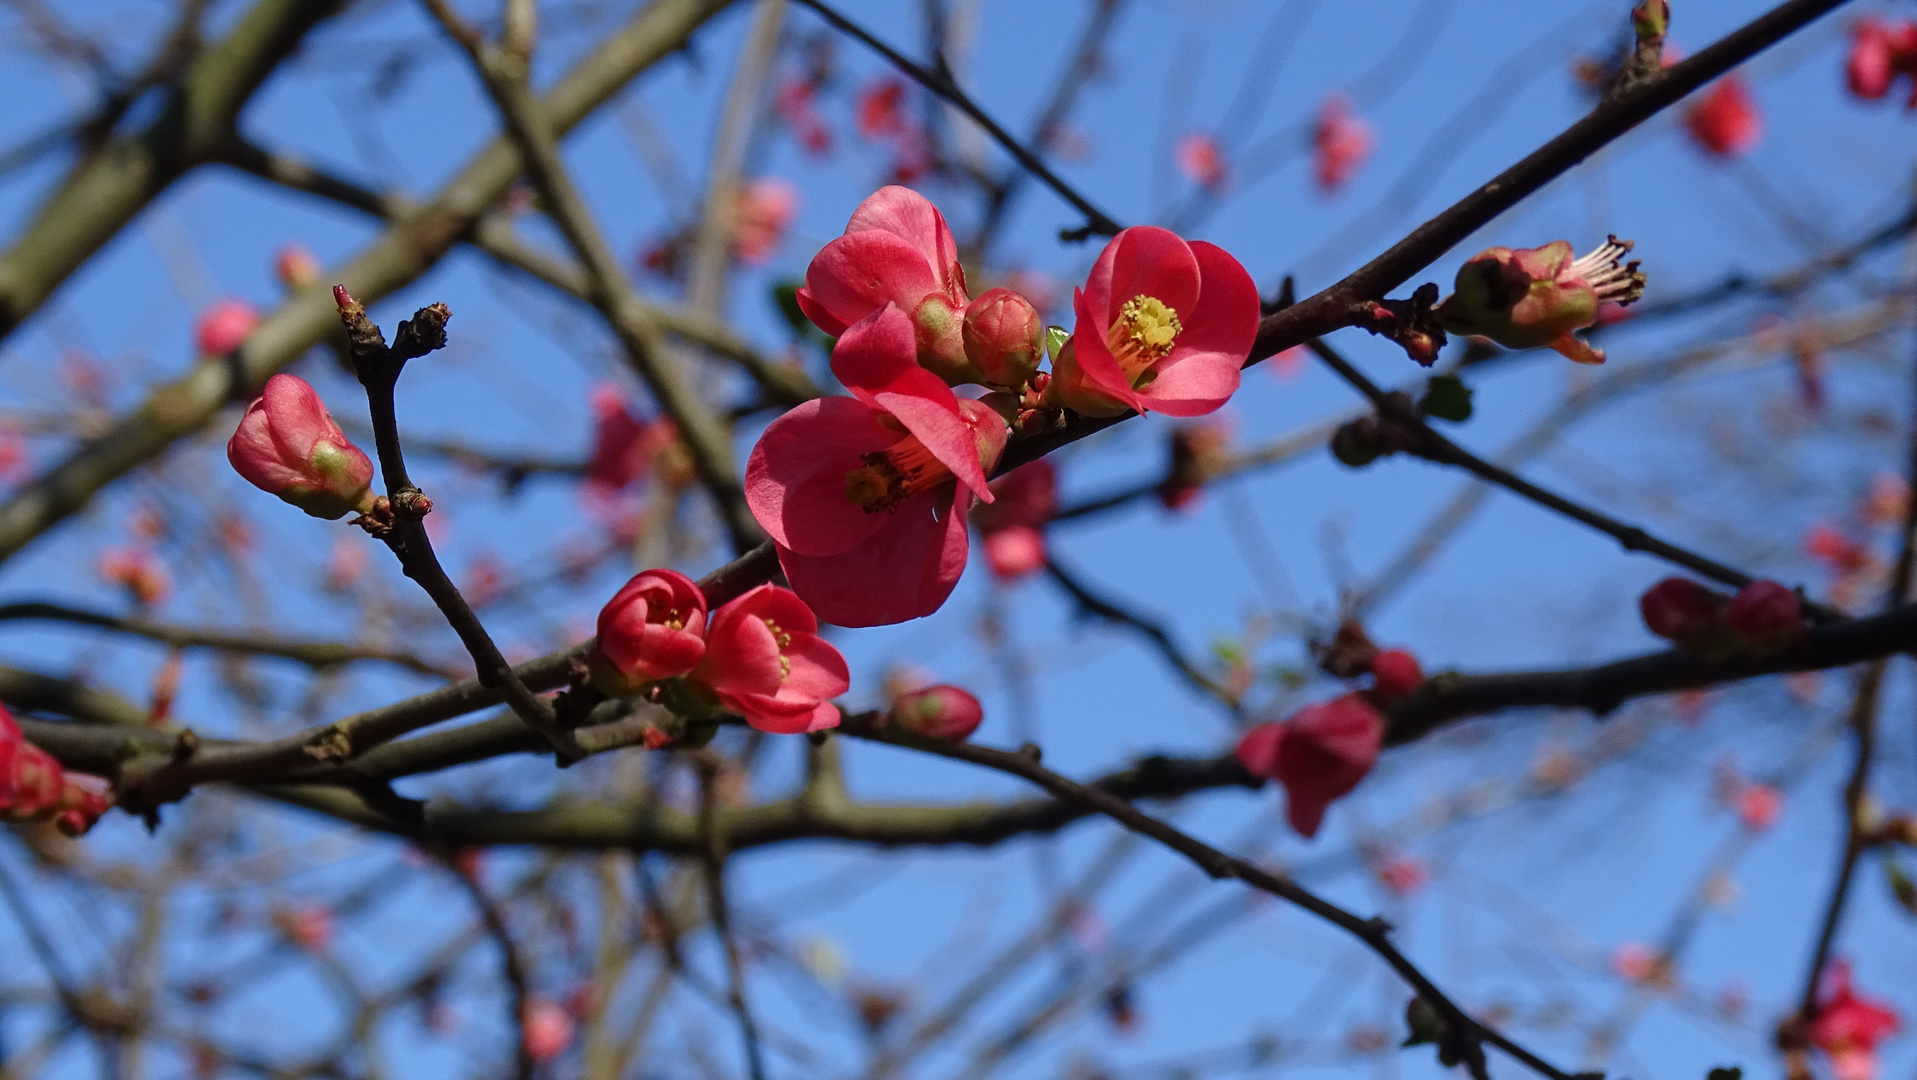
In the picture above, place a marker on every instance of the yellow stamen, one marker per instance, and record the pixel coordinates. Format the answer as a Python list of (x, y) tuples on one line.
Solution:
[(891, 476), (1142, 334), (784, 640)]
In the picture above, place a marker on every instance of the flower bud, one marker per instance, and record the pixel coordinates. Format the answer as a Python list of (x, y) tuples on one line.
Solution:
[(653, 628), (1725, 121), (1014, 552), (1528, 298), (1682, 611), (296, 266), (1765, 617), (288, 445), (1004, 338), (938, 712), (1868, 70), (546, 1029), (224, 327), (1395, 673), (939, 326)]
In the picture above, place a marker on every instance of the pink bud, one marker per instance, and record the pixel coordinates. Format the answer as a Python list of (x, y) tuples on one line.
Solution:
[(1003, 337), (1765, 616), (938, 712), (1725, 121), (1340, 143), (1868, 69), (1636, 961), (288, 445), (653, 628), (224, 327), (1395, 673), (1758, 806), (296, 266), (1683, 611), (1014, 552), (546, 1030), (1319, 754)]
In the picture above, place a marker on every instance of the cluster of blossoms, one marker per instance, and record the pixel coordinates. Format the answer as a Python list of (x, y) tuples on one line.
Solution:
[(33, 786), (1322, 751), (867, 496), (1763, 617), (1880, 54)]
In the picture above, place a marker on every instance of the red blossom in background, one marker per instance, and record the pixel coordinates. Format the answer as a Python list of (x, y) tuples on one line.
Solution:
[(653, 628), (1725, 121), (1848, 1026), (1680, 610), (1319, 754), (1340, 143), (765, 661), (1880, 54), (1163, 326), (1758, 806), (296, 266), (1841, 553), (13, 455), (938, 712), (1395, 673), (623, 445), (137, 570), (224, 326), (761, 215), (1202, 161), (33, 786), (796, 100), (881, 109), (866, 496), (897, 250), (1404, 875), (1012, 526), (1765, 616), (546, 1029), (288, 445)]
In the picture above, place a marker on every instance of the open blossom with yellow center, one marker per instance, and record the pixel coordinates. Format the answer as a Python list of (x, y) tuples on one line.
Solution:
[(1163, 326)]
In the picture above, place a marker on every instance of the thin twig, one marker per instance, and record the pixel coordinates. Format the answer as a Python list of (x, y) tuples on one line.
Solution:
[(1092, 604), (713, 834)]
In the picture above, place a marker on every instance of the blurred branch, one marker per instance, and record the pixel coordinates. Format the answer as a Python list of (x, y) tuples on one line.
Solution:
[(493, 918), (1092, 604), (715, 846), (504, 72), (407, 249), (940, 82), (315, 654)]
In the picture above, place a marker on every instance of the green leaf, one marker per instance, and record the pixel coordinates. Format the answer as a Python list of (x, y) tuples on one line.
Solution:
[(1447, 398), (1055, 339)]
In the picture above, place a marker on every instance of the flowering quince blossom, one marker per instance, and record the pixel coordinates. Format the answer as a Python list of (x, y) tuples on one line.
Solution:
[(1340, 143), (224, 326), (1725, 121), (288, 445), (623, 445), (1404, 875), (938, 712), (1880, 53), (761, 213), (1319, 754), (1202, 161), (881, 111), (653, 628), (1758, 806), (1680, 610), (1528, 298), (764, 660), (1012, 527), (866, 496), (1395, 673), (1848, 1026), (1164, 325), (1004, 338), (545, 1030), (296, 266), (33, 786), (1765, 616), (796, 102), (896, 250)]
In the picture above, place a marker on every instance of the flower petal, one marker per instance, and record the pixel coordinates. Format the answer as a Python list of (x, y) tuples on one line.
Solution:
[(911, 217), (1150, 261), (1225, 317), (902, 572), (861, 272), (1097, 367), (795, 478), (1197, 384)]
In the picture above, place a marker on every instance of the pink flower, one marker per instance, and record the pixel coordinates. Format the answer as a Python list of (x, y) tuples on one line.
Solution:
[(1765, 617), (1870, 66), (1004, 338), (224, 326), (296, 266), (1680, 610), (13, 455), (896, 250), (1202, 161), (1759, 805), (765, 661), (1637, 962), (796, 101), (1395, 673), (881, 111), (866, 496), (1528, 298), (309, 926), (1725, 121), (545, 1030), (1012, 526), (32, 783), (139, 571), (653, 628), (623, 445), (1340, 143), (1848, 1026), (1319, 754), (1829, 545), (1404, 875), (1163, 326), (763, 211), (288, 445), (938, 712)]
